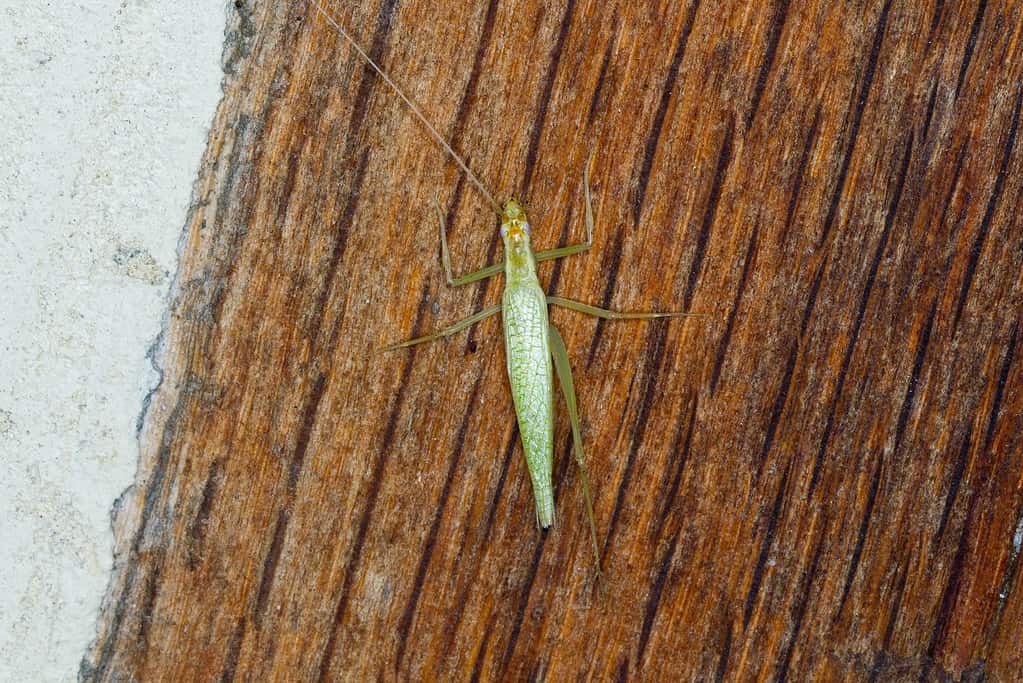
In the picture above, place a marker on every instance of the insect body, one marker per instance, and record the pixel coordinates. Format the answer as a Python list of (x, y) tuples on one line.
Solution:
[(527, 348), (534, 349)]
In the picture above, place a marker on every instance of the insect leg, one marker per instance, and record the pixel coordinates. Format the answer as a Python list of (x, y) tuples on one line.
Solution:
[(457, 327), (571, 249), (615, 315), (560, 356), (445, 258)]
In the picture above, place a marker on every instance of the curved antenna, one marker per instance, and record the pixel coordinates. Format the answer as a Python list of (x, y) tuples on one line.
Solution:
[(415, 110)]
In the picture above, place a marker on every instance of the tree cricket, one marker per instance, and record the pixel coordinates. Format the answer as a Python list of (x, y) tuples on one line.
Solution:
[(534, 349)]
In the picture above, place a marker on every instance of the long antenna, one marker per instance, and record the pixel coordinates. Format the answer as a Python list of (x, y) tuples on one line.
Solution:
[(415, 110)]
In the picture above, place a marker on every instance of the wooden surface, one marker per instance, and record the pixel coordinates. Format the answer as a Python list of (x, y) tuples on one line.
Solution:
[(822, 481)]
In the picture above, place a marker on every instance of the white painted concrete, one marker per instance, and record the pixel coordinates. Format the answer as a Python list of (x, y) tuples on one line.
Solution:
[(104, 111)]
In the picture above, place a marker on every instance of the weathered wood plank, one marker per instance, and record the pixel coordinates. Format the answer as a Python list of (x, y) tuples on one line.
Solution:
[(823, 481)]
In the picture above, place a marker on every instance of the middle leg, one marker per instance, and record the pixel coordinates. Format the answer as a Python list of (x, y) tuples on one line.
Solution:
[(616, 315)]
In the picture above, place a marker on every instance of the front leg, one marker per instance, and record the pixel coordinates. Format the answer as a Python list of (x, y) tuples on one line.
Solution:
[(571, 249), (445, 258)]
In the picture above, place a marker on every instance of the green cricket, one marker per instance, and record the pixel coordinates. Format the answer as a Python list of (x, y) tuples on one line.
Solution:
[(532, 345)]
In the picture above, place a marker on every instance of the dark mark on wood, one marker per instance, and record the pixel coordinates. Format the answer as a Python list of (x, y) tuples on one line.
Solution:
[(858, 323), (651, 371), (861, 536), (996, 404), (469, 94), (780, 14), (552, 284), (949, 598), (930, 109), (680, 455), (197, 528), (726, 651), (765, 548), (861, 103), (653, 139), (812, 298), (609, 290), (971, 43), (302, 443), (273, 557), (520, 612), (799, 609), (477, 667), (918, 363), (431, 538), (989, 212), (797, 184), (371, 501), (488, 526), (234, 646), (939, 7), (598, 91), (148, 608), (622, 674), (719, 361), (776, 411), (655, 593), (544, 95), (893, 617), (708, 217), (955, 482)]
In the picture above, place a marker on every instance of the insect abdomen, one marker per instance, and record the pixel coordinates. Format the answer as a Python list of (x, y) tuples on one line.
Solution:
[(528, 353)]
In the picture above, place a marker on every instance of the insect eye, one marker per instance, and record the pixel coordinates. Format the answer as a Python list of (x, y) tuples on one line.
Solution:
[(504, 231)]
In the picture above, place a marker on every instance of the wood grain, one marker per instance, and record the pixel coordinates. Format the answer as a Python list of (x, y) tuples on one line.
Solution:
[(821, 481)]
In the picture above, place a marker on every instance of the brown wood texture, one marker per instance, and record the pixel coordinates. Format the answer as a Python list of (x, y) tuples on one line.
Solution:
[(821, 481)]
